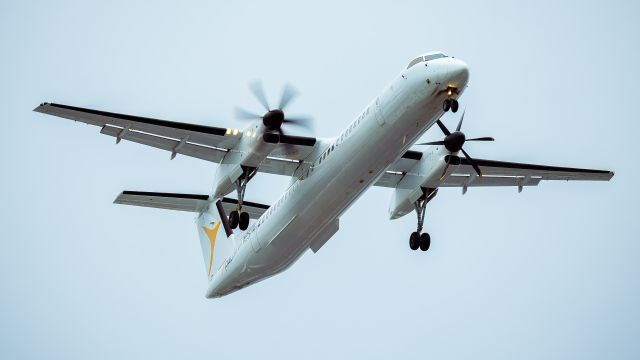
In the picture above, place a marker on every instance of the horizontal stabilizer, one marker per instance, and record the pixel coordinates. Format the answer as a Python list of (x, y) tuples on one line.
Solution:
[(185, 202), (169, 201)]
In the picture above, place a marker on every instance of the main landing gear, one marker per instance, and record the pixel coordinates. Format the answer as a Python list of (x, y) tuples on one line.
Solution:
[(418, 239), (239, 218)]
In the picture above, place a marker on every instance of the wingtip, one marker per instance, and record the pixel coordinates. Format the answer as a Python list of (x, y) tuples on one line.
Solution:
[(41, 106), (118, 199)]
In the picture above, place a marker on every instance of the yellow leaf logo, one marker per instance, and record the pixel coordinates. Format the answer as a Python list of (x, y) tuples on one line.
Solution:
[(211, 234)]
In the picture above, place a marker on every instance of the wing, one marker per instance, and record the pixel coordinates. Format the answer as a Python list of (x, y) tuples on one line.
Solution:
[(511, 173), (495, 173), (399, 169), (199, 141)]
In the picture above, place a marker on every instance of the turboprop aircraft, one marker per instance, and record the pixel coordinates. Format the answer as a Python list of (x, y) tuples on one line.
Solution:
[(327, 175)]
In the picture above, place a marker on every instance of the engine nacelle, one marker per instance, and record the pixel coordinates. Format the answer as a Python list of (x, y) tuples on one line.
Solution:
[(427, 173), (226, 176)]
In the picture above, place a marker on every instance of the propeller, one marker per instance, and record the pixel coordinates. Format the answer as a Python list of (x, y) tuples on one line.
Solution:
[(454, 142), (273, 119)]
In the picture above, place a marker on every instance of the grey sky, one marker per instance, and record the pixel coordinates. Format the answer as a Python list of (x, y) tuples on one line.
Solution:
[(548, 273)]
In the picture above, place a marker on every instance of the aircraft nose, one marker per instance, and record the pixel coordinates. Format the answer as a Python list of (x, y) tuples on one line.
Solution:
[(458, 73)]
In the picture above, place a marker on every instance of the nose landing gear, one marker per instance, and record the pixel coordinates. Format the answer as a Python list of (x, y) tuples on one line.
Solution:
[(450, 103), (418, 239)]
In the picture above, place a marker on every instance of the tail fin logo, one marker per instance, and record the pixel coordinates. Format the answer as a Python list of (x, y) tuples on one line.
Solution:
[(211, 234)]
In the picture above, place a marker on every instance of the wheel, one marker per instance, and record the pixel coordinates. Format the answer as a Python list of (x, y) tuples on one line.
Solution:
[(454, 105), (234, 217), (446, 105), (425, 241), (244, 221), (414, 241)]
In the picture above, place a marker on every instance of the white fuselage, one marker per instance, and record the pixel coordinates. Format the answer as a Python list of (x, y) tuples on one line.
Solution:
[(307, 214)]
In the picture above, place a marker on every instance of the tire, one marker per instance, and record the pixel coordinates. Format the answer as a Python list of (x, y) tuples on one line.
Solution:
[(414, 241), (234, 217), (425, 241), (446, 105), (454, 105), (244, 221)]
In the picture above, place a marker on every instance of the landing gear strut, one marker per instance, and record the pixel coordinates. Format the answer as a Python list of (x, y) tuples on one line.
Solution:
[(239, 218), (418, 239)]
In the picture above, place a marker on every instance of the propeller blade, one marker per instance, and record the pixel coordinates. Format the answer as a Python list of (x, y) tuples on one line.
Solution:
[(302, 121), (443, 128), (440, 142), (486, 138), (473, 163), (288, 93), (461, 118), (242, 114), (258, 91)]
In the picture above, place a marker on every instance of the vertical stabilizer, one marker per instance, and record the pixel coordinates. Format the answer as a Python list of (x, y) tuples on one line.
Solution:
[(216, 237)]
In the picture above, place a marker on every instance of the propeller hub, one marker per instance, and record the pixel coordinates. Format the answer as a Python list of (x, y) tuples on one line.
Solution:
[(273, 119), (454, 141)]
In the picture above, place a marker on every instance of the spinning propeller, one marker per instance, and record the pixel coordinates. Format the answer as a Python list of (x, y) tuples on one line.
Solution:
[(454, 142), (273, 119)]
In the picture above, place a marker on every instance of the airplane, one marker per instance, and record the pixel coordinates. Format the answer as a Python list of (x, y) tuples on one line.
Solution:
[(327, 175)]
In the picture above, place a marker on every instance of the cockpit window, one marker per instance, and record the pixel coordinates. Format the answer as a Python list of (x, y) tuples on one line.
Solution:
[(426, 58), (434, 56), (415, 61)]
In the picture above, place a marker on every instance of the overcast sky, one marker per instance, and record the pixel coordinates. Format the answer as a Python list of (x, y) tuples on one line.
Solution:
[(549, 273)]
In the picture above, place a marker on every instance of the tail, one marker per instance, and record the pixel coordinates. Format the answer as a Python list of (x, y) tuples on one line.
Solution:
[(216, 237)]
